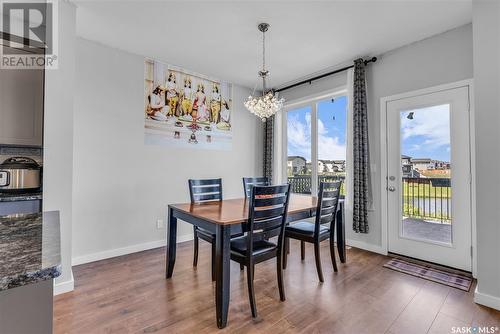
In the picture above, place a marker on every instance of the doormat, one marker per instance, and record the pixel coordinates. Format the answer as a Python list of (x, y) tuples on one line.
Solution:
[(455, 280)]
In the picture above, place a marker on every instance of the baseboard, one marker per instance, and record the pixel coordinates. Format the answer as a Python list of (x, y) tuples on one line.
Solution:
[(63, 287), (486, 300), (366, 246), (107, 254)]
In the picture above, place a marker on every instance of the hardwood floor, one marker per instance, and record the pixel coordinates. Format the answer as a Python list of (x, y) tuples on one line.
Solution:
[(130, 294)]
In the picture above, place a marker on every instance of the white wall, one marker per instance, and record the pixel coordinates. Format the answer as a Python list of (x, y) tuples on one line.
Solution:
[(58, 139), (120, 186), (437, 60), (319, 86), (486, 26)]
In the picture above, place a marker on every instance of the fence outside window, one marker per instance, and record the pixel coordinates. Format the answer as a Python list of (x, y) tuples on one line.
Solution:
[(302, 184)]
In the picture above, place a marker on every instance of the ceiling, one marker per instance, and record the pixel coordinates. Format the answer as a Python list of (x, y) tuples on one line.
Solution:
[(221, 39)]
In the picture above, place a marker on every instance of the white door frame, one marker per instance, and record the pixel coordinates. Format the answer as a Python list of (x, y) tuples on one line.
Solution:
[(383, 158)]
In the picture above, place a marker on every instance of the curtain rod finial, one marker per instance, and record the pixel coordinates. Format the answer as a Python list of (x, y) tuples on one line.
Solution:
[(372, 60)]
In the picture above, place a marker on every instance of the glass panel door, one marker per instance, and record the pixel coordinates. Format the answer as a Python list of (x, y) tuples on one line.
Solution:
[(426, 174), (429, 177), (299, 168)]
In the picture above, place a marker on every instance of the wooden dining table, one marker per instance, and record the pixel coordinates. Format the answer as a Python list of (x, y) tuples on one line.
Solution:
[(227, 217)]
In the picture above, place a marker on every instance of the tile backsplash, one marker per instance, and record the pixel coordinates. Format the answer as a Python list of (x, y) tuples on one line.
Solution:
[(16, 151)]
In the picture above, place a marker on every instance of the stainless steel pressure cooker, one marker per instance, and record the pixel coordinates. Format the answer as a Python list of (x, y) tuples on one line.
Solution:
[(20, 174)]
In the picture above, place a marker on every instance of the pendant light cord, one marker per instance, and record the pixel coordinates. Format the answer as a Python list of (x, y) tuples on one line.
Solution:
[(263, 63), (263, 51)]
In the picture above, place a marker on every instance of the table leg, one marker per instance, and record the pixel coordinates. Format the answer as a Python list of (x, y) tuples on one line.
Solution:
[(341, 234), (171, 243), (222, 265)]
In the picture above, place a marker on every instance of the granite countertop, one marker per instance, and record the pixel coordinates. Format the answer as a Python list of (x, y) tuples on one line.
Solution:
[(30, 249), (14, 197)]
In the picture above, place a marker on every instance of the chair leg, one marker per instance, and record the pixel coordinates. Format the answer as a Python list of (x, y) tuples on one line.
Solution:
[(332, 255), (214, 270), (285, 253), (251, 292), (196, 242), (302, 250), (318, 261), (279, 268)]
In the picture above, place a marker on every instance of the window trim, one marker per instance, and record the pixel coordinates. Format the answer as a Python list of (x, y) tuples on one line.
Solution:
[(311, 101)]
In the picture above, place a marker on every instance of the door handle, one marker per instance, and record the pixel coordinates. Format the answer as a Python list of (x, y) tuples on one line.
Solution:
[(391, 188)]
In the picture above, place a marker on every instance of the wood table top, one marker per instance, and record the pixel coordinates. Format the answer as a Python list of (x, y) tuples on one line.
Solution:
[(235, 211)]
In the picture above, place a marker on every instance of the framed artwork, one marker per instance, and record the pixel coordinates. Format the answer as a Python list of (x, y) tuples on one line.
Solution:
[(185, 109)]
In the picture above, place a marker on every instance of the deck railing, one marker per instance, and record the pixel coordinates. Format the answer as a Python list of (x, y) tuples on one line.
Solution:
[(422, 198), (302, 184), (427, 198)]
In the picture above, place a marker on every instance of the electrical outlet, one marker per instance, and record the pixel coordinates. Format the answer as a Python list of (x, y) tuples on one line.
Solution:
[(159, 223)]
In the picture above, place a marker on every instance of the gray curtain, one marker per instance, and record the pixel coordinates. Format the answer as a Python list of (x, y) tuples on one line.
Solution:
[(361, 162), (268, 147)]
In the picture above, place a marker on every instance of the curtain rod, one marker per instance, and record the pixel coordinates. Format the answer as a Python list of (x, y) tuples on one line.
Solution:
[(310, 80)]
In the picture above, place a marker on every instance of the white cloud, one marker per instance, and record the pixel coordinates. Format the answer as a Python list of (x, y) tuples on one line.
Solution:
[(329, 147), (415, 147), (299, 140), (433, 123), (299, 136)]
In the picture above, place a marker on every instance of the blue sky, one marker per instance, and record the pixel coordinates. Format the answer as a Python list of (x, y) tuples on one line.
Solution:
[(427, 135), (331, 130)]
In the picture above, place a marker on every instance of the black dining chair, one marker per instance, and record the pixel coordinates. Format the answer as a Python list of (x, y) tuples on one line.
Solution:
[(249, 182), (267, 214), (315, 233), (203, 191)]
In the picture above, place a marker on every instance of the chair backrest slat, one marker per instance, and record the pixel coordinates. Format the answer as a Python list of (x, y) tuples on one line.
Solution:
[(325, 219), (262, 202), (206, 197), (280, 190), (204, 182), (327, 210), (249, 182), (328, 199), (267, 213), (267, 224), (329, 202), (207, 190), (330, 194)]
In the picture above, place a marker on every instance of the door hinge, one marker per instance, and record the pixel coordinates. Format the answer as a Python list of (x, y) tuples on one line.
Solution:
[(471, 251)]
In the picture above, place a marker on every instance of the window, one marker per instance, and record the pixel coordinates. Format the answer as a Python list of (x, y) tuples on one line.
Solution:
[(299, 149), (316, 138)]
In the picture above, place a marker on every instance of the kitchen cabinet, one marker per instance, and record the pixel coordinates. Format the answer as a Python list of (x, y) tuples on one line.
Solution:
[(21, 107)]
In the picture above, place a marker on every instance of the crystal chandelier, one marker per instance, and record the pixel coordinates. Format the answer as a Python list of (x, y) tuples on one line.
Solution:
[(268, 104)]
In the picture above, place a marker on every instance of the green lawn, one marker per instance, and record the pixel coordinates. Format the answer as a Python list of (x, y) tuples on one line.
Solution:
[(425, 190)]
